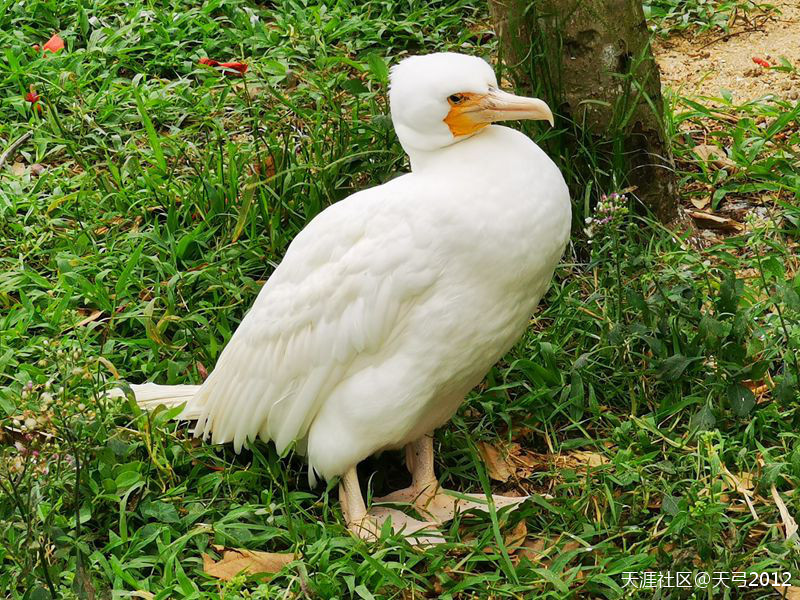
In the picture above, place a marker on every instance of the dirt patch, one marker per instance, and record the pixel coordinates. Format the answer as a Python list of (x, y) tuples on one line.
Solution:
[(706, 64)]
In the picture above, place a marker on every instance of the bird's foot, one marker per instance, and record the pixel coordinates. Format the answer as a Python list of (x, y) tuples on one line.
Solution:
[(418, 533), (441, 505)]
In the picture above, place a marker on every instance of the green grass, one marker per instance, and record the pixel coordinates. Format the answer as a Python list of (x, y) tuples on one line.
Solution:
[(670, 16), (170, 191)]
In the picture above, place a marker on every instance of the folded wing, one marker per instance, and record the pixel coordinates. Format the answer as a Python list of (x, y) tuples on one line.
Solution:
[(344, 288)]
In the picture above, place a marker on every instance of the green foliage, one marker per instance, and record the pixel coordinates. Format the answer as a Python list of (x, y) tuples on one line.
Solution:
[(668, 16), (171, 190)]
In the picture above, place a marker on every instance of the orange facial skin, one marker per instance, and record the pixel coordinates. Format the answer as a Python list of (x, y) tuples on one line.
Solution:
[(463, 108)]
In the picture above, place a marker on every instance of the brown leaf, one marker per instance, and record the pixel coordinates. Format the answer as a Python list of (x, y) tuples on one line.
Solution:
[(514, 539), (92, 317), (711, 154), (710, 221), (791, 592), (701, 202), (496, 464), (789, 524), (201, 369), (238, 560), (543, 550), (18, 169), (578, 458), (759, 388)]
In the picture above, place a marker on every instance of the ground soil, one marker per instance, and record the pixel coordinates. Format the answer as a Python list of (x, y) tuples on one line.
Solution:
[(705, 64)]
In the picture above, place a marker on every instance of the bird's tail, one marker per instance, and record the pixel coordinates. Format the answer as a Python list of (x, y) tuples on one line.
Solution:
[(149, 396)]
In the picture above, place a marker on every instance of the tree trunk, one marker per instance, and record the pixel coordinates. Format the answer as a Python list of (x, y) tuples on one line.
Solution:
[(591, 59)]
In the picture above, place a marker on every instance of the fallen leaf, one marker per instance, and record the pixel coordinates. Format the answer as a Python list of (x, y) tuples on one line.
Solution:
[(110, 366), (514, 539), (701, 203), (788, 593), (544, 550), (92, 317), (789, 524), (18, 169), (710, 221), (37, 169), (268, 165), (54, 44), (496, 465), (713, 155), (742, 483), (238, 560), (201, 369), (583, 457), (142, 594), (760, 389)]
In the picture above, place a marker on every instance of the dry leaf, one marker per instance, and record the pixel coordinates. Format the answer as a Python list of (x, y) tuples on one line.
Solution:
[(238, 560), (582, 457), (142, 594), (514, 460), (110, 366), (701, 203), (789, 524), (742, 483), (201, 369), (534, 550), (496, 465), (18, 169), (788, 593), (759, 388), (710, 221), (514, 539), (711, 154), (543, 550), (92, 317)]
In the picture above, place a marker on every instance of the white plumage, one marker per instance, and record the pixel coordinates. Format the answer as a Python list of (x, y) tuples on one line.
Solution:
[(393, 303)]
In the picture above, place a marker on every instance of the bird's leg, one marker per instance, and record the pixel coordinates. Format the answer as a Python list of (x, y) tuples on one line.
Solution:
[(353, 507), (367, 524), (424, 485), (428, 498)]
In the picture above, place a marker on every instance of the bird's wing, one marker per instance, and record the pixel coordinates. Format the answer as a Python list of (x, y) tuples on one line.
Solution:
[(344, 288)]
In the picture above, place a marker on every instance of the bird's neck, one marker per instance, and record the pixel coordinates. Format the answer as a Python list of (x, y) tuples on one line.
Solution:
[(473, 152)]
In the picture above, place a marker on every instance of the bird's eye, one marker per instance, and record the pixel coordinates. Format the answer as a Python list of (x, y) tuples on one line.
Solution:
[(455, 99)]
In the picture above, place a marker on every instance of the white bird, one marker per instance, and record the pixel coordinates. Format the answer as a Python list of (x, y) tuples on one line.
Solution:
[(393, 303)]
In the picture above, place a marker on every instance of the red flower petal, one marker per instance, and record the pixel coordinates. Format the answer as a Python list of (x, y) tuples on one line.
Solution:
[(54, 44), (236, 66), (239, 67), (761, 62), (32, 96)]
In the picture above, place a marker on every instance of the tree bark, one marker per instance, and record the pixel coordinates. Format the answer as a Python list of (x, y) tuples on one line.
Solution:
[(592, 60)]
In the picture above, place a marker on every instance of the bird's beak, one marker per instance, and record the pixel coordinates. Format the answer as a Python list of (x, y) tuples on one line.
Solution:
[(502, 106), (479, 110)]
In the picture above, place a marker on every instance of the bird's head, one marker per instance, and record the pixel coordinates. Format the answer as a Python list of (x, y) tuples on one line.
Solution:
[(440, 99)]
